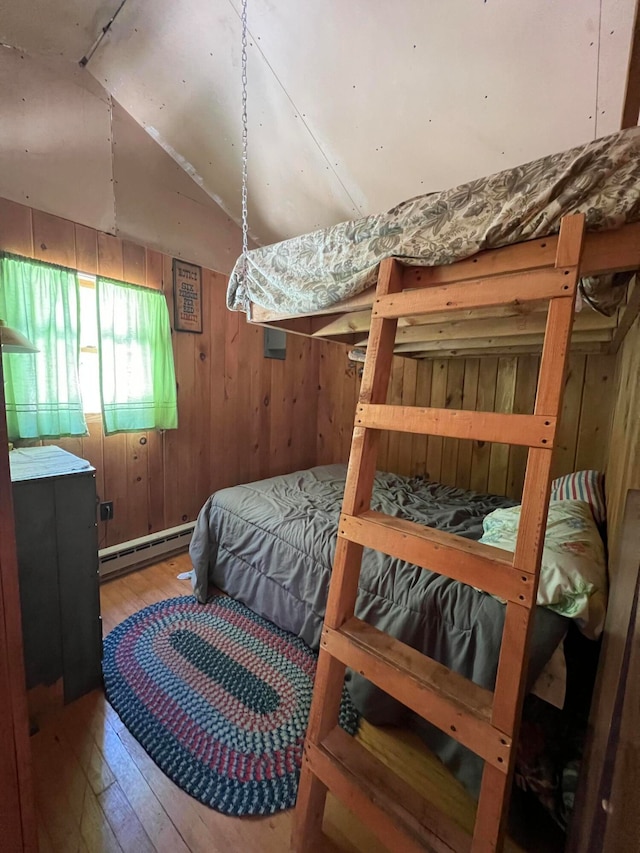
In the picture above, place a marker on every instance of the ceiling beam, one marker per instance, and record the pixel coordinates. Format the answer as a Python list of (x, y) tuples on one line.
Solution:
[(631, 105)]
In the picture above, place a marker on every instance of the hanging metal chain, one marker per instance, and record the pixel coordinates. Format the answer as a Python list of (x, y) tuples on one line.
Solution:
[(245, 221)]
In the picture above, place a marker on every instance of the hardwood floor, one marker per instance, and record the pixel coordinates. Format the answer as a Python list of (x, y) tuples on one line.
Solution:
[(97, 790)]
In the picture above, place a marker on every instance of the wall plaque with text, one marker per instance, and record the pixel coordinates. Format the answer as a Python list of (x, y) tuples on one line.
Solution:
[(187, 296)]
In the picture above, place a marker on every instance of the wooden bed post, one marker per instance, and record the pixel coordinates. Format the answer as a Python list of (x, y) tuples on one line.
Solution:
[(485, 722)]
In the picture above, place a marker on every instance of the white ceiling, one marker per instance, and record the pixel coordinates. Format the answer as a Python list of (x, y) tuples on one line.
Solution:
[(353, 106)]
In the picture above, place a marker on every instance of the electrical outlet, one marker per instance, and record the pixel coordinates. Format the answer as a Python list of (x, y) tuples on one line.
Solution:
[(106, 510)]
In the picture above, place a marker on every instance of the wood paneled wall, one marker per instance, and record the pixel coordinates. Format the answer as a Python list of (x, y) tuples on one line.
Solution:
[(241, 417), (489, 384), (623, 470)]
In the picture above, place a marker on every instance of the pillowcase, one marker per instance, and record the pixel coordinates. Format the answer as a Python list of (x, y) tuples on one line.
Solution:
[(573, 575), (582, 486)]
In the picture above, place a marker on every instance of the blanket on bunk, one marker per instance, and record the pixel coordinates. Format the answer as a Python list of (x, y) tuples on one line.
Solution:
[(306, 274), (270, 545)]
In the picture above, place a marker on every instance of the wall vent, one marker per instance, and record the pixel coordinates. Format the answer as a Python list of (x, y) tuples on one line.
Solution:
[(147, 549)]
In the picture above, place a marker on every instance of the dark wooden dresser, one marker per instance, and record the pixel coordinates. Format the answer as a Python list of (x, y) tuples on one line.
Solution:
[(54, 499)]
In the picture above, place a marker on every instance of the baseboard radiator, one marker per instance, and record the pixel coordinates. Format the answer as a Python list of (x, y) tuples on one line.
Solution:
[(136, 553)]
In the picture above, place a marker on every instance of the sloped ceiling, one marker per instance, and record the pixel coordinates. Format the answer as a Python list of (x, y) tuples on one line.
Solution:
[(353, 106)]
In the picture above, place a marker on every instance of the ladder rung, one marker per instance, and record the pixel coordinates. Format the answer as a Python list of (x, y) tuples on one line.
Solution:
[(448, 700), (385, 803), (527, 430), (474, 563), (514, 289)]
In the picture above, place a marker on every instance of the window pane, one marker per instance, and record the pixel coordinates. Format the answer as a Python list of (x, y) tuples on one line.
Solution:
[(90, 380), (88, 319)]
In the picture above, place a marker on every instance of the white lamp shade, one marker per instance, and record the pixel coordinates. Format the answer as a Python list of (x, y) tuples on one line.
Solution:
[(14, 341)]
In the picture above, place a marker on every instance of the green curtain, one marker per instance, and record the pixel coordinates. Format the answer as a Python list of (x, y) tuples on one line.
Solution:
[(137, 376), (42, 389)]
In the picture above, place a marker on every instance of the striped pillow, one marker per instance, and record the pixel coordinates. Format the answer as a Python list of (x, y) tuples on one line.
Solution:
[(582, 486)]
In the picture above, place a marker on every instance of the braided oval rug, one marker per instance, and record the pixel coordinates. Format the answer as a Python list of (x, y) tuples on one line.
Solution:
[(219, 698)]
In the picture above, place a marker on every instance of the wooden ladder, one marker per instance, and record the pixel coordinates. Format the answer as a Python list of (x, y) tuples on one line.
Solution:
[(485, 722)]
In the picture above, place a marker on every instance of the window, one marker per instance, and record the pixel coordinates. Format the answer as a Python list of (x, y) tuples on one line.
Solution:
[(104, 347)]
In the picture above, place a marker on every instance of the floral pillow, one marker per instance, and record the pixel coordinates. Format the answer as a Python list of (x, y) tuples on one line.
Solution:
[(573, 576)]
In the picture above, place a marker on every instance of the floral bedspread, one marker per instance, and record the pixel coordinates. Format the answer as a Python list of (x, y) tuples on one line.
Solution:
[(312, 272)]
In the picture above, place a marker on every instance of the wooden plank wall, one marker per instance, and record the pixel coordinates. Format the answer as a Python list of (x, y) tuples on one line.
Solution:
[(504, 384), (241, 417), (623, 470)]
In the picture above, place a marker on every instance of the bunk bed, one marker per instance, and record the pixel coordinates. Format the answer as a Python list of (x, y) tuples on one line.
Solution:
[(322, 284), (447, 263)]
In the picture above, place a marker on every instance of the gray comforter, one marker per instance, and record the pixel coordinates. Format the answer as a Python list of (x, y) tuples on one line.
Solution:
[(270, 545), (308, 273)]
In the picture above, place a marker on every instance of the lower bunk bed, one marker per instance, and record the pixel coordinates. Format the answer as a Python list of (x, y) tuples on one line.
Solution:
[(270, 545)]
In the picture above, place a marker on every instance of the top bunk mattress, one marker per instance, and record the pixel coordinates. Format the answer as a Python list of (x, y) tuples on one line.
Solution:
[(310, 273)]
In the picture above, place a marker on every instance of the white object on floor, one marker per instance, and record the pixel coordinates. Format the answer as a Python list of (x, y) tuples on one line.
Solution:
[(184, 576), (552, 681)]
